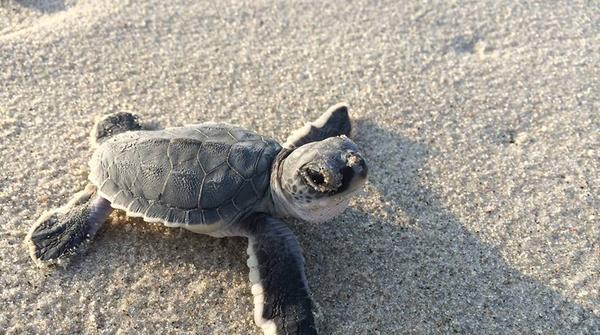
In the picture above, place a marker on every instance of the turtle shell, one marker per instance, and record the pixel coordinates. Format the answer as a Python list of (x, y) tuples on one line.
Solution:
[(200, 177)]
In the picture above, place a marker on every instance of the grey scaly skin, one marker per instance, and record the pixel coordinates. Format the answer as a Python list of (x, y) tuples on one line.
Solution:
[(220, 180)]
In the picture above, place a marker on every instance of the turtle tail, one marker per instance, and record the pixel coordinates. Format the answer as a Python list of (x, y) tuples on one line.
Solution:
[(113, 124)]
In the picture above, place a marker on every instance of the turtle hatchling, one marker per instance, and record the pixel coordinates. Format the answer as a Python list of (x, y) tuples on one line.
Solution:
[(221, 180)]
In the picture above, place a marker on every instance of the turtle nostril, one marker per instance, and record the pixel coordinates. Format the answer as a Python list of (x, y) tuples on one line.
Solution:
[(355, 161), (352, 158)]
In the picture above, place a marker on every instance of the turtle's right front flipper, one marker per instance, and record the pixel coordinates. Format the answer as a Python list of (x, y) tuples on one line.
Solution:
[(60, 233), (282, 301)]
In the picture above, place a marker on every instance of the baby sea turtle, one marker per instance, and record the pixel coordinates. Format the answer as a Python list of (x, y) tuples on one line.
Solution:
[(221, 180)]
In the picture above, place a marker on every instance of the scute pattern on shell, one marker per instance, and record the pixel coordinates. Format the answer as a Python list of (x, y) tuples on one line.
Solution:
[(195, 175)]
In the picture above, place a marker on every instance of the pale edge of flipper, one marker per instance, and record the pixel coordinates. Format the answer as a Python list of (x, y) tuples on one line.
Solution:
[(313, 131), (98, 208), (273, 248), (258, 292)]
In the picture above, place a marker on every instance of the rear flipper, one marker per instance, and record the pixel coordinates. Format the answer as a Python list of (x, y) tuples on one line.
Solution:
[(282, 301), (60, 233)]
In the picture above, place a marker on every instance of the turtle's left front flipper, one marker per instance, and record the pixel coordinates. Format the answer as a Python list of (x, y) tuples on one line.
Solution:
[(334, 122), (60, 233), (282, 302)]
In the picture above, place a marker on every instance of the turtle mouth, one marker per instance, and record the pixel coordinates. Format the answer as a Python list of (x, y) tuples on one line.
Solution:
[(320, 179)]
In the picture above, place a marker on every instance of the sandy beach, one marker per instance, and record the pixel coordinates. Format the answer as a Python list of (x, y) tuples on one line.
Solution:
[(480, 122)]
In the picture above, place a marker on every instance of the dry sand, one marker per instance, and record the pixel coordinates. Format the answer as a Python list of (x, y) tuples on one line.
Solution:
[(480, 122)]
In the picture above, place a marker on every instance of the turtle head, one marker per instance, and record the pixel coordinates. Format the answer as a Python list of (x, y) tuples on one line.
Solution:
[(318, 178)]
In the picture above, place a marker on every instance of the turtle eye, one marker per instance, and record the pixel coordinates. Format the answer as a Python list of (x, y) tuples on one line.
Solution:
[(315, 176)]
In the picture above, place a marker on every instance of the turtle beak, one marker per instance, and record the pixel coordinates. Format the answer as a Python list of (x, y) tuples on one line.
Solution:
[(354, 173)]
